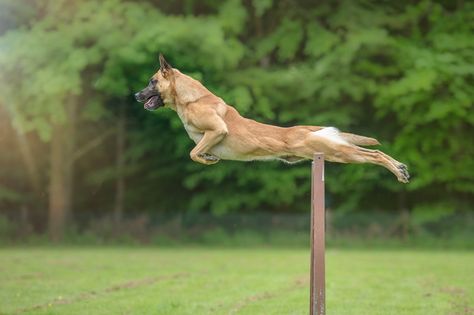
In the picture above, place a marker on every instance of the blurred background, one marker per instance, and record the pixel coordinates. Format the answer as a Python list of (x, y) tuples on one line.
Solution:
[(82, 162)]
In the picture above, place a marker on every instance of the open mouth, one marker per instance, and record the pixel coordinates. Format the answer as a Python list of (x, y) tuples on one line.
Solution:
[(153, 102)]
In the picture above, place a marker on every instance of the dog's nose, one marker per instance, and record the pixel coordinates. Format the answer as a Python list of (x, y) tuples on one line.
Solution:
[(137, 96)]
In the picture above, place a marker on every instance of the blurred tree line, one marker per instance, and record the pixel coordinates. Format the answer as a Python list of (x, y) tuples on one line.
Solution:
[(74, 141)]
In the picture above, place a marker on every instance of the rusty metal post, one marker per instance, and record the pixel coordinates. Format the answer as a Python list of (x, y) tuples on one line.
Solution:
[(317, 285)]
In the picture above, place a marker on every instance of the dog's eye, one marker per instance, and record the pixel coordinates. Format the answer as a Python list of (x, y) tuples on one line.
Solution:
[(153, 81)]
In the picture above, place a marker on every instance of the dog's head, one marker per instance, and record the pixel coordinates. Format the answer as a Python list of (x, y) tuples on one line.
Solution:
[(159, 88)]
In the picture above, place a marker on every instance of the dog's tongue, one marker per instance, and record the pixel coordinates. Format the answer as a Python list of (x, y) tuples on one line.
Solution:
[(150, 102)]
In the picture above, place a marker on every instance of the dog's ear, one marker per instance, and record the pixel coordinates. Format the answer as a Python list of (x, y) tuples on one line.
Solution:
[(165, 67)]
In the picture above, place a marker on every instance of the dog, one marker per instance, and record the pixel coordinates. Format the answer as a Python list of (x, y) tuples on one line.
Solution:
[(221, 133)]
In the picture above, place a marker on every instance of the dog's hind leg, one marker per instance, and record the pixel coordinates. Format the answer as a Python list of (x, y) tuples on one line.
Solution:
[(337, 149), (355, 154), (358, 140)]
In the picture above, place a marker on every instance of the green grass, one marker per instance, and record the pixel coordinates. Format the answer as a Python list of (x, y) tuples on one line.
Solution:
[(225, 281)]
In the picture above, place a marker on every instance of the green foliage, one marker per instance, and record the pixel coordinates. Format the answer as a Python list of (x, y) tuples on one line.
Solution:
[(431, 213), (402, 73)]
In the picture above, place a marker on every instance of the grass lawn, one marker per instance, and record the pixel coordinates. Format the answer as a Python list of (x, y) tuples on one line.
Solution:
[(231, 281)]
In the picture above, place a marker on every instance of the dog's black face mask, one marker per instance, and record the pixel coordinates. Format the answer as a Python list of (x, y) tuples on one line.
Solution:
[(150, 96)]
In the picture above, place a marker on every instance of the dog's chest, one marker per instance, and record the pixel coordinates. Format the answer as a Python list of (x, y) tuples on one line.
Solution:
[(194, 133)]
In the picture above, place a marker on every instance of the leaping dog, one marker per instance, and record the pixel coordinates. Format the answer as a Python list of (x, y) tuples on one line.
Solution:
[(221, 133)]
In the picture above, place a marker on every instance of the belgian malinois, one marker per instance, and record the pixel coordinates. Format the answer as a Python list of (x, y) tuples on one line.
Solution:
[(220, 132)]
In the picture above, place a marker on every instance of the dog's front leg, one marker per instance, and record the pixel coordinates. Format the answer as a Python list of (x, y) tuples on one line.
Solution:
[(211, 138)]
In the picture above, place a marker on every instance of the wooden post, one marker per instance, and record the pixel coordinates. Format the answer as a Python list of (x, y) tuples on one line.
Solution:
[(317, 285)]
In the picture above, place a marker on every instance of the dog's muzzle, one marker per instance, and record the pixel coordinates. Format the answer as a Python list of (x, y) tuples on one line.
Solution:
[(152, 102)]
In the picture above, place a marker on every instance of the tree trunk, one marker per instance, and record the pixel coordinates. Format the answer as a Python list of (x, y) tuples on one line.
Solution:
[(58, 192), (120, 165), (70, 147), (61, 174)]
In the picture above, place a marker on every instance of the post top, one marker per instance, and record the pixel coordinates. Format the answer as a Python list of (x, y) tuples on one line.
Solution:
[(318, 156)]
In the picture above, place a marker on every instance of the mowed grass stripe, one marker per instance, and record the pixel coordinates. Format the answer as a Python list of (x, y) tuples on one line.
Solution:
[(94, 294)]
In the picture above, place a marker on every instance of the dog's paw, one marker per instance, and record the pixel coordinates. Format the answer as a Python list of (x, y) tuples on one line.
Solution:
[(209, 157), (404, 176), (205, 158)]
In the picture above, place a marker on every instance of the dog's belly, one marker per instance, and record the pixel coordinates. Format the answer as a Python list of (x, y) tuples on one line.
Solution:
[(234, 147), (223, 150), (226, 151)]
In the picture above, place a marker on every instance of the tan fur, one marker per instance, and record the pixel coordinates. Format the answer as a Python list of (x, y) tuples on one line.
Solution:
[(220, 132), (359, 140)]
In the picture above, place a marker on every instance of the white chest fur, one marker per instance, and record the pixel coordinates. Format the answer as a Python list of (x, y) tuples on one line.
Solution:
[(194, 133)]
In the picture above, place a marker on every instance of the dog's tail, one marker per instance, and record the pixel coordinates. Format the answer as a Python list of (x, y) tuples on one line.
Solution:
[(359, 140)]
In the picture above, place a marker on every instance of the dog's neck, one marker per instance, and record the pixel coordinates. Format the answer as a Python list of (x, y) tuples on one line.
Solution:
[(182, 94)]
